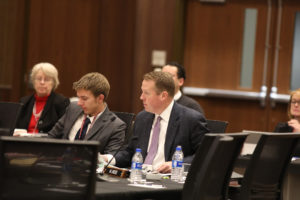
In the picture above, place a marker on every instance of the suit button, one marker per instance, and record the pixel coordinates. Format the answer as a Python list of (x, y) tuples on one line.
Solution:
[(41, 122)]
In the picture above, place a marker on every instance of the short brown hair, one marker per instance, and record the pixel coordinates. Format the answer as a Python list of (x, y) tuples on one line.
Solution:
[(94, 82), (290, 102), (163, 82)]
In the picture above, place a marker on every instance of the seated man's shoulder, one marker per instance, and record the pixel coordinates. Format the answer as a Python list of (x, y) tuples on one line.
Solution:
[(143, 114), (191, 103), (74, 105), (114, 118), (188, 111)]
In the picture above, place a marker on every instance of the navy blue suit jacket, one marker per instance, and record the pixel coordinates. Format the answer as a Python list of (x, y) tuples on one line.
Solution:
[(186, 128)]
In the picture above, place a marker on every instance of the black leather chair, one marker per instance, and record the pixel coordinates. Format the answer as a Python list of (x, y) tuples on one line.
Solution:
[(128, 118), (216, 126), (9, 113), (265, 172), (212, 166)]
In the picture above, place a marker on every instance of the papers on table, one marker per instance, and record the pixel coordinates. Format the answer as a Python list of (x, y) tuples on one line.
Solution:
[(147, 185)]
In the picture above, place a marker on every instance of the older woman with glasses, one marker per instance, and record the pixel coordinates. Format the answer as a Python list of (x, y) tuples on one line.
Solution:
[(43, 109), (293, 125)]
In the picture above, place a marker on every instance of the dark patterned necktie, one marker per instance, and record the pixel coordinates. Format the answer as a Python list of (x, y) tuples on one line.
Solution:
[(83, 131)]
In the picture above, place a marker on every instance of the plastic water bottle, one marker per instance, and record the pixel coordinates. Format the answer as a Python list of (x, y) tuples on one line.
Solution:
[(136, 166), (177, 167)]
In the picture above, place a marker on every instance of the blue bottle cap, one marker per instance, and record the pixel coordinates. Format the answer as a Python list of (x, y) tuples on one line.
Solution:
[(138, 150), (178, 148)]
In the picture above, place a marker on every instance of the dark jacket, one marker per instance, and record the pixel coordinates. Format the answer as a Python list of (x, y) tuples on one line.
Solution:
[(190, 103), (283, 127), (54, 109), (186, 128)]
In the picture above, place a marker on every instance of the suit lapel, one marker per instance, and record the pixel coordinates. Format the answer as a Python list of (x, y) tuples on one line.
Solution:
[(172, 130), (144, 142), (74, 113), (99, 124), (49, 102)]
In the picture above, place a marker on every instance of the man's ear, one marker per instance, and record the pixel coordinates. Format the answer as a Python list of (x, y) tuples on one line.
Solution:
[(164, 95), (180, 82), (100, 98)]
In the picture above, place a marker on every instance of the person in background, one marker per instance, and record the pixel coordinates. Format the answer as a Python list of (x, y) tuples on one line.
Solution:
[(90, 118), (178, 73), (41, 110), (293, 125), (162, 126)]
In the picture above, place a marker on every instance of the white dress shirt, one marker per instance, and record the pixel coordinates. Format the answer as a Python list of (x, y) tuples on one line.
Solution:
[(177, 95), (77, 125), (160, 155)]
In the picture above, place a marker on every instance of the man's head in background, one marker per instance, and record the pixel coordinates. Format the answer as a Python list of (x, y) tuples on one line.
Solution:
[(178, 74)]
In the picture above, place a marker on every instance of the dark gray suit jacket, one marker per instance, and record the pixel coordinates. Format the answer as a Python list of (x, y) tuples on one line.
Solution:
[(108, 128), (190, 103), (186, 128)]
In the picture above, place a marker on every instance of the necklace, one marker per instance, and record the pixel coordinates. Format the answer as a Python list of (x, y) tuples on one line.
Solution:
[(36, 116)]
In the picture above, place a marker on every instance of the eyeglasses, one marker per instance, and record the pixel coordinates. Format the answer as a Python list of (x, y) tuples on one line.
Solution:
[(46, 79), (294, 102)]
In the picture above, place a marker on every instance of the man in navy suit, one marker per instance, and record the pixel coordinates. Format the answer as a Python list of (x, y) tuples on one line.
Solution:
[(179, 125)]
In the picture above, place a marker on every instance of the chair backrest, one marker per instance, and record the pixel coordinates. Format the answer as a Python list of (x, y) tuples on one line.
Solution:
[(265, 172), (40, 168), (9, 113), (128, 119), (216, 126), (212, 166)]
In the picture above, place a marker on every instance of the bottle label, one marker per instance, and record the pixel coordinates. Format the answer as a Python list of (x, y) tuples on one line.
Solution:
[(135, 165), (176, 164)]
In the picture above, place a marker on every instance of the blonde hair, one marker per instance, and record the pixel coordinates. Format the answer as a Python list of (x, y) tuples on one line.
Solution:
[(290, 102), (94, 82), (48, 69)]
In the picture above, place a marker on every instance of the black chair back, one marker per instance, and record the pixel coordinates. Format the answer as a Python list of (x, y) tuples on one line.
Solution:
[(264, 175), (128, 119), (216, 126), (212, 166), (9, 113)]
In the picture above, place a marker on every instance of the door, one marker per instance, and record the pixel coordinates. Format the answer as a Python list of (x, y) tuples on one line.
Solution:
[(240, 60)]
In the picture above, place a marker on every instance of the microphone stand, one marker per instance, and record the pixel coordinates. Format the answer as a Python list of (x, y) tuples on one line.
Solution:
[(104, 177)]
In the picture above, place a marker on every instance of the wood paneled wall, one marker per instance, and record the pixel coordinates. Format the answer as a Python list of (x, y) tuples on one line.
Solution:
[(12, 15), (82, 36), (113, 37)]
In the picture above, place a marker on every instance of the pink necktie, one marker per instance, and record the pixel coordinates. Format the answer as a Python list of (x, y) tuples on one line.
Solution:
[(154, 142)]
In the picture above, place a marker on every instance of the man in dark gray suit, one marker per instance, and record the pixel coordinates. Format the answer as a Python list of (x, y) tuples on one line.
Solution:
[(178, 73), (90, 118), (179, 125)]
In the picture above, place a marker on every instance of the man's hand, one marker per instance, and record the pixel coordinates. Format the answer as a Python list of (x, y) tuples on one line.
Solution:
[(102, 158), (165, 167)]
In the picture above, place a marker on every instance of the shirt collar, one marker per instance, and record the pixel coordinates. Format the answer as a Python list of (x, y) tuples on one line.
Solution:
[(177, 95), (165, 115), (97, 116)]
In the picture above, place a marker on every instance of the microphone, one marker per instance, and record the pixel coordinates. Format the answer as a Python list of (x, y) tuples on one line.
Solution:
[(111, 170), (105, 167)]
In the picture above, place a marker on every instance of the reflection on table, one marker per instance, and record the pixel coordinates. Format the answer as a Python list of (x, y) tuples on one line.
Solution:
[(122, 190)]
